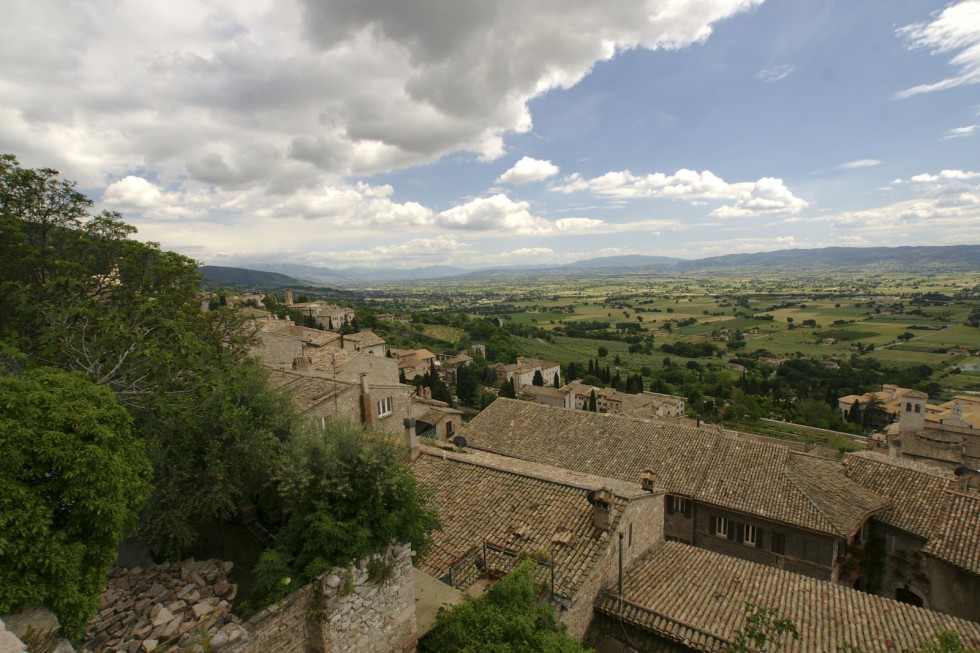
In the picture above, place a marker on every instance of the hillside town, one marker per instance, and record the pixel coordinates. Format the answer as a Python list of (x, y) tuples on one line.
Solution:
[(650, 530), (333, 326)]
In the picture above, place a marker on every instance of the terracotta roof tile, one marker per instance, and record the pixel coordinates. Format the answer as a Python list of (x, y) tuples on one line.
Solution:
[(307, 391), (917, 490), (759, 478), (698, 597), (956, 539), (514, 506)]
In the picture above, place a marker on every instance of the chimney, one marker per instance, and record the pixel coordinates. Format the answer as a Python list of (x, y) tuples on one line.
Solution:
[(413, 439), (649, 480), (301, 363), (602, 510), (367, 410)]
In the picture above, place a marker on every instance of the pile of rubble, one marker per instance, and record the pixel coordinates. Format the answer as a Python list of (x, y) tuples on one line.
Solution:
[(177, 605)]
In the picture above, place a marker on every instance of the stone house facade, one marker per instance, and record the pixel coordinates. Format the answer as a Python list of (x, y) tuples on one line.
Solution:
[(522, 372), (931, 552)]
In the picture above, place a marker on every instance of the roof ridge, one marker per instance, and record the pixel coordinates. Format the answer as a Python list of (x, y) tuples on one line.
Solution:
[(535, 471)]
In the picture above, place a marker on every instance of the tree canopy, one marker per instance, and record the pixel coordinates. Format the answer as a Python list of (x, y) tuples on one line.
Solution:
[(79, 294), (72, 478)]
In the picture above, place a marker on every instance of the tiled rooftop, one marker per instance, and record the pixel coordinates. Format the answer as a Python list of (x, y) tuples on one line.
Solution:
[(957, 538), (307, 390), (924, 505), (752, 477), (518, 506), (916, 489), (698, 598)]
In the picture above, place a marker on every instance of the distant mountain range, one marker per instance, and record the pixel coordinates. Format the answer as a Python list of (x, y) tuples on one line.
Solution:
[(963, 258)]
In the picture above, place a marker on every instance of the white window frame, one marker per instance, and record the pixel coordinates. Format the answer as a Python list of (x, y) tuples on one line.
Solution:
[(750, 535), (722, 526), (385, 407)]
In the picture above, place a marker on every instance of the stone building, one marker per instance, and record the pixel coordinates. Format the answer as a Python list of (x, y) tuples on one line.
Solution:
[(752, 499), (323, 398), (328, 316), (930, 540), (435, 419), (413, 362), (609, 400), (947, 435), (522, 372), (578, 527), (891, 397)]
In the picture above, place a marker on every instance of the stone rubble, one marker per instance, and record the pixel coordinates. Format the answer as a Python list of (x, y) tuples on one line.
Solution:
[(170, 605)]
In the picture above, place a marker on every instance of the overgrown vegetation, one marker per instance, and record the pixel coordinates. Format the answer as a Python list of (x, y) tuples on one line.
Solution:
[(507, 618), (346, 494), (152, 376)]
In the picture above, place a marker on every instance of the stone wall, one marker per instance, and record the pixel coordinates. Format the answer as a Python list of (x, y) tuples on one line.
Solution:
[(343, 611), (9, 642), (642, 526)]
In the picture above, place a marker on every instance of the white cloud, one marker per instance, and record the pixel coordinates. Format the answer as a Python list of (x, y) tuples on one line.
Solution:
[(945, 210), (960, 132), (775, 74), (496, 213), (859, 163), (767, 195), (527, 170), (406, 254), (955, 30), (943, 177), (249, 93)]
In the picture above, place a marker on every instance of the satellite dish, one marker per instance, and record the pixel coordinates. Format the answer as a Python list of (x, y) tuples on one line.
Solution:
[(460, 442), (591, 497)]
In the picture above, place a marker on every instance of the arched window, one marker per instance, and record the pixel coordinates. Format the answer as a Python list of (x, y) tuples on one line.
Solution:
[(918, 408), (908, 407)]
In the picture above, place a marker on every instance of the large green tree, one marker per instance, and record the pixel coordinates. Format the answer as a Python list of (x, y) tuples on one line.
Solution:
[(80, 294), (72, 478)]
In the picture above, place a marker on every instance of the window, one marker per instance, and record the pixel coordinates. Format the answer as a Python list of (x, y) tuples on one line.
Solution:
[(385, 407), (751, 535), (722, 526), (679, 505), (778, 543), (631, 536)]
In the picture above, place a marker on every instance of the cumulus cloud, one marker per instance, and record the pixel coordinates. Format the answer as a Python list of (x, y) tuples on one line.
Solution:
[(527, 170), (233, 93), (775, 74), (495, 213), (136, 194), (767, 195), (956, 31)]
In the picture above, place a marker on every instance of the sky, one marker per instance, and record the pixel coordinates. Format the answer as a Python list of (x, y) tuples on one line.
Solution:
[(373, 133)]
